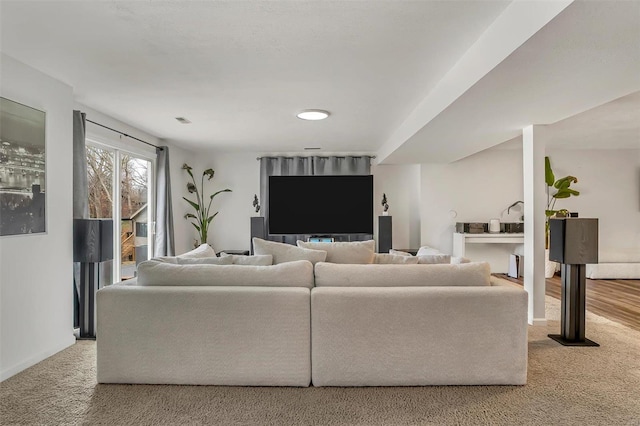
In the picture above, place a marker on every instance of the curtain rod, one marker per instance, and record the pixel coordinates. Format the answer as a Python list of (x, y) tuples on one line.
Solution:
[(321, 156), (124, 134)]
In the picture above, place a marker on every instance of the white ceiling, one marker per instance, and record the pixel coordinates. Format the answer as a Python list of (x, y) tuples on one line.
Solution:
[(614, 125), (241, 70)]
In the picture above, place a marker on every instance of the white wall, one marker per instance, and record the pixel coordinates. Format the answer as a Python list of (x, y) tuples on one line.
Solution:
[(609, 185), (36, 299), (474, 189), (401, 183)]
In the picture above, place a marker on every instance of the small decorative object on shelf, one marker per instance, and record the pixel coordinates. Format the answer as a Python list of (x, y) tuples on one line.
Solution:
[(202, 217), (256, 203), (385, 205)]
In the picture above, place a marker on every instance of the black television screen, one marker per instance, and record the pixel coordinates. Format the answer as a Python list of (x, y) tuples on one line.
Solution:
[(320, 205)]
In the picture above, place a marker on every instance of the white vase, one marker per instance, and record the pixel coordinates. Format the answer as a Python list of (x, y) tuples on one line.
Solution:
[(549, 266)]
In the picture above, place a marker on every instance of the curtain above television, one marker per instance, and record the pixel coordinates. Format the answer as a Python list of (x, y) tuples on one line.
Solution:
[(307, 166)]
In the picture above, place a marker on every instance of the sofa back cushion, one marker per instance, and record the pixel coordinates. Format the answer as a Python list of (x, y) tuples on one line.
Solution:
[(176, 260), (468, 274), (357, 252), (432, 259), (290, 274), (427, 250), (203, 250), (386, 259), (286, 252), (257, 260)]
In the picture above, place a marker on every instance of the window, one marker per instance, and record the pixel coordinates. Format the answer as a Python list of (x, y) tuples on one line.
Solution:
[(127, 199)]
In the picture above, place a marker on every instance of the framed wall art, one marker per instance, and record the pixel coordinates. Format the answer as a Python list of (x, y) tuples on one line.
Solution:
[(22, 169)]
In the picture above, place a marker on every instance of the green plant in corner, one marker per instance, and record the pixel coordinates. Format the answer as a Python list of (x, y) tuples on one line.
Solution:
[(562, 190), (202, 217)]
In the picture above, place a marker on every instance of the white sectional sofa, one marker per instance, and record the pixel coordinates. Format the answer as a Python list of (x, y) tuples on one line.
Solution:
[(616, 264), (296, 324)]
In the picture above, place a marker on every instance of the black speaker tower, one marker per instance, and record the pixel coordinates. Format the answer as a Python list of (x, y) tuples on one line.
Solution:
[(258, 230), (92, 245), (573, 243), (385, 235)]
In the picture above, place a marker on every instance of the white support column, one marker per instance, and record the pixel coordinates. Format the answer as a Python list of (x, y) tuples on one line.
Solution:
[(533, 152)]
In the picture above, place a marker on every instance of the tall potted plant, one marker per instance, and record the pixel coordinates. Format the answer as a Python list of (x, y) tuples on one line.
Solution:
[(556, 189), (202, 218)]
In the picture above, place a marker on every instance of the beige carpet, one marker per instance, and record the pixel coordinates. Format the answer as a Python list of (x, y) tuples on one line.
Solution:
[(586, 386)]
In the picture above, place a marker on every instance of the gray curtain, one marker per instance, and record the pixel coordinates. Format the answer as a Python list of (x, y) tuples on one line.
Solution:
[(348, 165), (305, 166), (165, 244), (80, 185), (280, 166), (80, 195)]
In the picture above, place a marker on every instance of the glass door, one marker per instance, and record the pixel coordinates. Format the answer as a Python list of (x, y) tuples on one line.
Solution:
[(135, 211), (120, 188)]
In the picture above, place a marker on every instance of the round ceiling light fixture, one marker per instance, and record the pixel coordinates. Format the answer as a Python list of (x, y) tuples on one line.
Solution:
[(313, 114)]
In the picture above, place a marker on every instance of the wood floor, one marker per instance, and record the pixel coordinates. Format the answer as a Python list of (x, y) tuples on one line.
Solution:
[(617, 300)]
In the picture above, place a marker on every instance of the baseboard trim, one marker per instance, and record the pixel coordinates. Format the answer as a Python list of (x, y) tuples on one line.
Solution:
[(12, 371), (539, 322)]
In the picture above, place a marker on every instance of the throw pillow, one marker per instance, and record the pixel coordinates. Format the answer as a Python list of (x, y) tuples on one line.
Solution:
[(286, 252), (290, 274), (383, 258), (205, 261), (399, 253), (432, 259), (357, 252), (427, 250), (204, 250), (263, 260), (458, 260)]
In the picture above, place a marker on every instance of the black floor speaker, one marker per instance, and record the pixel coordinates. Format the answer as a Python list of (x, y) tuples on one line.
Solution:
[(257, 230), (385, 236)]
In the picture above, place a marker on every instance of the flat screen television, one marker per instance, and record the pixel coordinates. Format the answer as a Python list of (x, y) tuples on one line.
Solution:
[(303, 205)]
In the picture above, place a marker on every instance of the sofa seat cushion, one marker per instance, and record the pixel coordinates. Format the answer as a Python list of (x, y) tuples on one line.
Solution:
[(290, 274), (336, 275), (356, 252), (286, 252)]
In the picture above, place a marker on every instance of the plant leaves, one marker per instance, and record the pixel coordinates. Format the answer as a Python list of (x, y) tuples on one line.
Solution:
[(548, 173), (209, 173), (194, 205), (224, 190), (189, 215), (211, 217), (565, 182), (196, 226), (550, 213), (562, 193)]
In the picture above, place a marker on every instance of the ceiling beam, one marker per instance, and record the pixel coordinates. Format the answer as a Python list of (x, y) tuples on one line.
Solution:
[(519, 21)]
